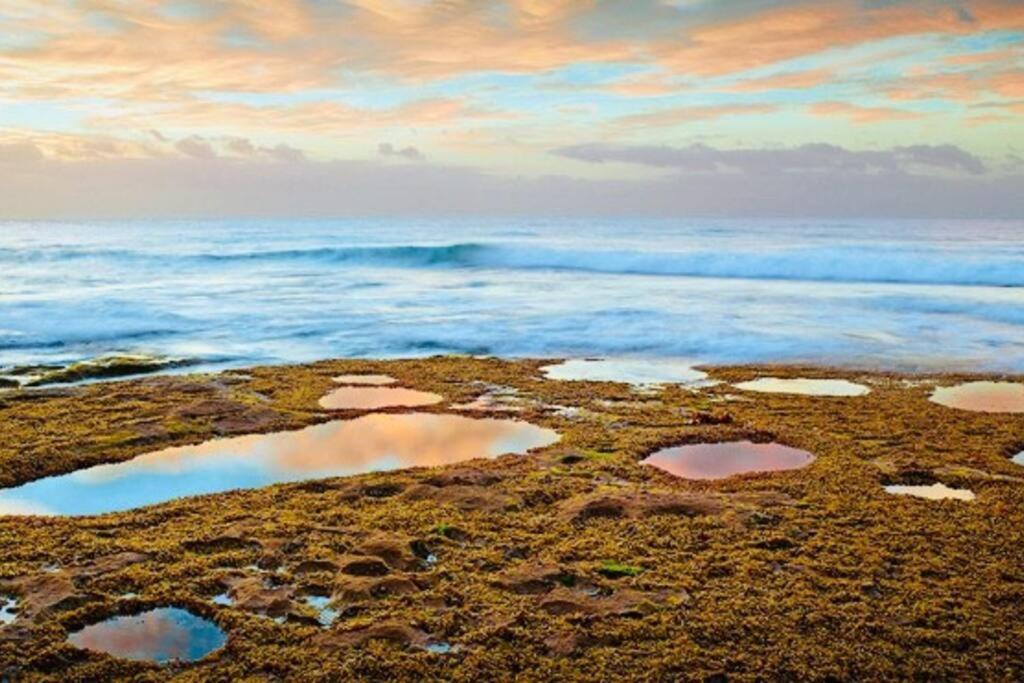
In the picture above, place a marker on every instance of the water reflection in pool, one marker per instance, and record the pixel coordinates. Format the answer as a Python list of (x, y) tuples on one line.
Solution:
[(372, 380), (325, 614), (642, 371), (937, 491), (344, 447), (986, 397), (719, 460), (8, 610), (159, 635), (804, 387), (375, 398)]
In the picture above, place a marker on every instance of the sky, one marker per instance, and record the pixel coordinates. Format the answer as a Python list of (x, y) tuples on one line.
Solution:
[(176, 108)]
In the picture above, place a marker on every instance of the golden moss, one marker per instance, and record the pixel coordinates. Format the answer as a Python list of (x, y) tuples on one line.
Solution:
[(804, 574)]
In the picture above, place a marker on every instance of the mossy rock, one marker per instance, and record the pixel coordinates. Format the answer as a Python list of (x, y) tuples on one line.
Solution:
[(105, 368)]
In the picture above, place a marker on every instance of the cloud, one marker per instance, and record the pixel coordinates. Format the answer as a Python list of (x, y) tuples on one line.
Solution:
[(242, 147), (859, 114), (217, 89), (812, 158), (790, 30), (143, 54), (960, 86), (386, 149), (809, 181), (324, 118), (19, 153), (284, 153), (676, 115), (195, 147)]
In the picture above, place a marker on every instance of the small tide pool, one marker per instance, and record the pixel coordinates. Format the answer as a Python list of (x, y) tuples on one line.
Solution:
[(720, 460), (166, 634)]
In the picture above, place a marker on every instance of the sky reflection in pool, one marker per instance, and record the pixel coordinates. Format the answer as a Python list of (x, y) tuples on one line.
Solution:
[(8, 610), (936, 491), (985, 397), (345, 447), (804, 386), (371, 380), (375, 398), (159, 635), (719, 460), (325, 614), (642, 371)]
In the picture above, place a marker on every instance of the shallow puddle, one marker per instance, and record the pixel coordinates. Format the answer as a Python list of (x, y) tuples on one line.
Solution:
[(937, 491), (641, 371), (222, 599), (440, 648), (159, 635), (325, 614), (373, 380), (369, 443), (985, 397), (8, 609), (804, 386), (375, 398), (719, 460)]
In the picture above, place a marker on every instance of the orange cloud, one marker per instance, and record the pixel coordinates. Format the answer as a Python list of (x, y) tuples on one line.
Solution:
[(677, 115), (998, 57), (858, 114), (961, 86), (317, 117), (1009, 84), (645, 86), (796, 30)]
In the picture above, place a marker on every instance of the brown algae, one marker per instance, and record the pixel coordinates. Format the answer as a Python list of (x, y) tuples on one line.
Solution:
[(504, 558)]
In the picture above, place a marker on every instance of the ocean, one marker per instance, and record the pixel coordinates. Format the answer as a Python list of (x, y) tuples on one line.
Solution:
[(902, 295)]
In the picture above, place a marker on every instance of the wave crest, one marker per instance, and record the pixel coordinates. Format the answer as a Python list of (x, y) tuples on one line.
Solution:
[(848, 263)]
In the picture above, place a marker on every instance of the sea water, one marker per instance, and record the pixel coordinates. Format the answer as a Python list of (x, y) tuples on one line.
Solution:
[(893, 294)]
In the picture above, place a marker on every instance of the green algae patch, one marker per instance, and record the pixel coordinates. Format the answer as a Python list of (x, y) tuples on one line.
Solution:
[(618, 570), (806, 574)]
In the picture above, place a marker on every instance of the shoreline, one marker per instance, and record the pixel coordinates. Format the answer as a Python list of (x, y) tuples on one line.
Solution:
[(803, 573)]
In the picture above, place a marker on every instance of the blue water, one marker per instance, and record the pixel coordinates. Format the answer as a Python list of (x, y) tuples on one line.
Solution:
[(159, 635), (893, 294), (371, 443)]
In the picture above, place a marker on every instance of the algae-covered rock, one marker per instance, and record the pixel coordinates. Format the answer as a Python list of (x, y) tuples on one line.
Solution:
[(575, 562), (104, 368)]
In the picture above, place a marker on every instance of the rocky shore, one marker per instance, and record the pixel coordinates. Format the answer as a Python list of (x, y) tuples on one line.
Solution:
[(575, 562)]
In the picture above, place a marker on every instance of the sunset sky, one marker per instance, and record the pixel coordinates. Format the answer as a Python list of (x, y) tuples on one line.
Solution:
[(328, 107)]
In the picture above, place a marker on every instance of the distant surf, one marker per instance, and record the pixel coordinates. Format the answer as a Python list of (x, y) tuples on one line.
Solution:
[(897, 294), (852, 263)]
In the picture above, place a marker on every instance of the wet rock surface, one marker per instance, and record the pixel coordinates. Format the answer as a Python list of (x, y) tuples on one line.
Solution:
[(574, 563)]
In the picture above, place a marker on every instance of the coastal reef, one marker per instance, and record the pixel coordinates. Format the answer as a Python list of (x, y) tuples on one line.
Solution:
[(573, 562)]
